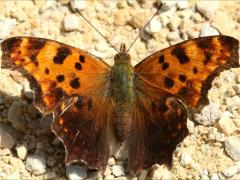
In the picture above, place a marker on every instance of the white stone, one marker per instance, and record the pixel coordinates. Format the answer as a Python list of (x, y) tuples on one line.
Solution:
[(209, 115), (13, 176), (206, 9), (186, 159), (233, 102), (102, 46), (111, 161), (50, 175), (36, 164), (118, 170), (8, 24), (173, 36), (166, 4), (109, 177), (174, 23), (21, 151), (76, 4), (15, 116), (237, 88), (75, 172), (232, 147), (214, 176), (226, 125), (190, 126), (71, 22), (183, 4), (160, 172), (154, 26), (208, 30), (230, 171), (6, 139), (8, 85), (17, 163)]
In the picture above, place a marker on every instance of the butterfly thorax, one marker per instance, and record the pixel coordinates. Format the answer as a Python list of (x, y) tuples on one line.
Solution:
[(122, 77)]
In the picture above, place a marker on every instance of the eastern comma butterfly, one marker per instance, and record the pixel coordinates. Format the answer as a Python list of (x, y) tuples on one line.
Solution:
[(145, 106)]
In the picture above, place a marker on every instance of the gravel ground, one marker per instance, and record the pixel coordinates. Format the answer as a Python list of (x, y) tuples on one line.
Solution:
[(28, 149)]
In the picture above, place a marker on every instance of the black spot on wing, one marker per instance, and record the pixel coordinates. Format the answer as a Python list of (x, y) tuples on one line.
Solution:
[(182, 78), (161, 59), (60, 78), (205, 43), (36, 43), (195, 70), (169, 83), (62, 53), (78, 66), (165, 66), (46, 71), (82, 58), (74, 83), (179, 52), (207, 59)]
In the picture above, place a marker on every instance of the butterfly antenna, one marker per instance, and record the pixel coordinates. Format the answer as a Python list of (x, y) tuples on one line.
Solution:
[(159, 7), (96, 29)]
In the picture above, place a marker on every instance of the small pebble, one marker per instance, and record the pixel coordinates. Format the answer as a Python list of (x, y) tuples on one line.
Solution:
[(154, 26), (13, 176), (36, 164), (232, 147), (186, 159), (75, 172), (111, 161), (51, 161), (233, 101), (8, 24), (15, 116), (207, 10), (214, 176), (21, 151), (71, 22), (230, 171), (209, 115), (173, 36), (208, 30), (226, 125), (6, 139), (17, 163), (50, 175), (109, 177), (183, 4), (118, 170), (76, 4)]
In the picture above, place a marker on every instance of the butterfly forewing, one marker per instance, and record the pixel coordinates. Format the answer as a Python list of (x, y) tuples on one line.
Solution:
[(73, 85), (186, 70)]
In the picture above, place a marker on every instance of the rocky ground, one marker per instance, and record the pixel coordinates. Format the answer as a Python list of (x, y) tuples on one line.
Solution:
[(28, 149)]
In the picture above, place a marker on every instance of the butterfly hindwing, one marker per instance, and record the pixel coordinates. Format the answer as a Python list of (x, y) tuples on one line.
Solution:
[(72, 84), (157, 128)]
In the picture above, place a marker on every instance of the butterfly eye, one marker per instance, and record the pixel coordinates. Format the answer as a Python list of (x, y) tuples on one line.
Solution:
[(116, 57)]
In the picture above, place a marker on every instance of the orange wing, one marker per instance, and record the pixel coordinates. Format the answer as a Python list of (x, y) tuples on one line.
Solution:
[(164, 84), (72, 84), (186, 70)]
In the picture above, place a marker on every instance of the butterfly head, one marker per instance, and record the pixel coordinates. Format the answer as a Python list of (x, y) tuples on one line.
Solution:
[(122, 57)]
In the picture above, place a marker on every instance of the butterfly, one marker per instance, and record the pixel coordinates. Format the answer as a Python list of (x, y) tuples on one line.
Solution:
[(145, 106)]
